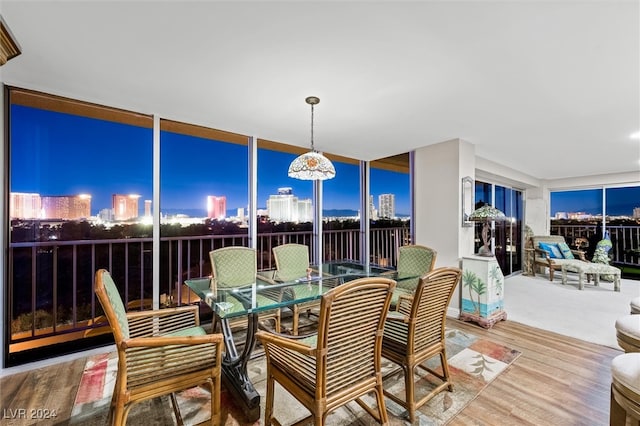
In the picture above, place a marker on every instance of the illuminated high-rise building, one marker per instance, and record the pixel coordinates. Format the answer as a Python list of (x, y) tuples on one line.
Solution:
[(387, 206), (216, 207), (282, 208), (305, 210), (373, 212), (125, 207), (286, 207), (25, 206), (636, 212), (147, 208), (66, 207)]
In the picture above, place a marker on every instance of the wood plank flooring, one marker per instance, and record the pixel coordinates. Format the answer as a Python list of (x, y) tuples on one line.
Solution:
[(556, 381)]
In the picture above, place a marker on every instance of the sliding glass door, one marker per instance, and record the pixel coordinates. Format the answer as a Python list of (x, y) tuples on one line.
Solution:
[(507, 241)]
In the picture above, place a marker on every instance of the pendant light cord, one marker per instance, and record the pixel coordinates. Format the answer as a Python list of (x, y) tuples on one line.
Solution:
[(312, 148)]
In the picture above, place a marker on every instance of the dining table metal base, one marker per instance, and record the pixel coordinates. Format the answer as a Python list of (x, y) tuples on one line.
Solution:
[(234, 369)]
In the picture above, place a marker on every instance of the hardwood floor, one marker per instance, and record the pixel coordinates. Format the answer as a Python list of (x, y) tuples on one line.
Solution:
[(556, 381)]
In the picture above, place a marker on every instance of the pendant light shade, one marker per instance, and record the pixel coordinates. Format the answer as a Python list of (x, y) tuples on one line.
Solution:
[(312, 165)]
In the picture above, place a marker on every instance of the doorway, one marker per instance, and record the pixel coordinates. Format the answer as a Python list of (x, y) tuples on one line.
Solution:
[(507, 242)]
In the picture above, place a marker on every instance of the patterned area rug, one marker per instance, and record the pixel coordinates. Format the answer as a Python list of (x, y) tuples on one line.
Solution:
[(473, 361)]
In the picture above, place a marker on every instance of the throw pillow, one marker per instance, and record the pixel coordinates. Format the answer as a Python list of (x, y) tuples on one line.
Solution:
[(552, 249), (566, 251)]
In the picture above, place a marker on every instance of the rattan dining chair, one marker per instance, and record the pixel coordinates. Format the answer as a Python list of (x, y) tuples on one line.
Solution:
[(415, 333), (159, 352), (341, 363), (414, 261), (237, 266), (292, 262)]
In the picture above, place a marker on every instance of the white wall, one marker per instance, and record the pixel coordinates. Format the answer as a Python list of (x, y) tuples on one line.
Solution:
[(439, 170), (596, 181), (535, 193)]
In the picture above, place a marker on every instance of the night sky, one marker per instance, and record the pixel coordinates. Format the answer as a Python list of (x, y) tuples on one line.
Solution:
[(109, 158)]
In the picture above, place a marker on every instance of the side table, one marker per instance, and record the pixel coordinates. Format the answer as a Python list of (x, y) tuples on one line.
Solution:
[(482, 291)]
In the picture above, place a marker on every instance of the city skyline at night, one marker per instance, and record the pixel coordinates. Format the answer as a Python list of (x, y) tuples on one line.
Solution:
[(100, 158), (110, 158)]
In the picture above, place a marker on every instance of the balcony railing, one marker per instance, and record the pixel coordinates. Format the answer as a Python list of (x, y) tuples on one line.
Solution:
[(51, 283), (625, 240)]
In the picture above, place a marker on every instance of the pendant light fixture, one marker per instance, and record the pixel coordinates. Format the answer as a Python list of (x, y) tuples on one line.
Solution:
[(312, 165)]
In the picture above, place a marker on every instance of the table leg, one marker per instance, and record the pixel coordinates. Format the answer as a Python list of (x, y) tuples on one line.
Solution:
[(596, 279), (616, 282), (234, 368)]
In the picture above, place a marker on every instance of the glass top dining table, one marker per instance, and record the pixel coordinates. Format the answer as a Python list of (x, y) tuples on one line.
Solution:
[(265, 294)]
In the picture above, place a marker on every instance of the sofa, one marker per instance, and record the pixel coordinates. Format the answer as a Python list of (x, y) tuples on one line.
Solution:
[(546, 256)]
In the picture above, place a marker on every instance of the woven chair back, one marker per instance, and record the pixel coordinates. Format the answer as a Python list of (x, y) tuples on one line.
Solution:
[(428, 312), (350, 333), (233, 266), (112, 305), (413, 262), (292, 261)]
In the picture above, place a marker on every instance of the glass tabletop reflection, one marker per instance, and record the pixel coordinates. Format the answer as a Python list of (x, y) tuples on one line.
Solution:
[(265, 294)]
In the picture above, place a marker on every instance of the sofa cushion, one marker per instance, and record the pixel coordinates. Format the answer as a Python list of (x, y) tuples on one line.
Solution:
[(552, 249), (566, 251)]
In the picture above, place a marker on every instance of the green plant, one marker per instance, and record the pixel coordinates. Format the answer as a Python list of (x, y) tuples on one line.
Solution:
[(43, 319)]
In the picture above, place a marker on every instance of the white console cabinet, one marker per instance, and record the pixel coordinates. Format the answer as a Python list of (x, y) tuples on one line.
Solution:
[(482, 291)]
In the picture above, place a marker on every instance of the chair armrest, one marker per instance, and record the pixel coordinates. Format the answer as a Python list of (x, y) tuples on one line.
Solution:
[(579, 254), (260, 279), (161, 312), (273, 294), (403, 306), (162, 321), (285, 342), (542, 253), (154, 342), (397, 316), (267, 276), (545, 255)]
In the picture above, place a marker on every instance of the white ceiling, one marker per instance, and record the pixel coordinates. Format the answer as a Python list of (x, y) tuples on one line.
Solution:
[(550, 88)]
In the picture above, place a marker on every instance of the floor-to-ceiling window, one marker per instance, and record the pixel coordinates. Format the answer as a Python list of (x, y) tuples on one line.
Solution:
[(390, 208), (81, 179), (204, 193), (622, 226), (340, 210), (585, 216), (285, 205), (78, 175)]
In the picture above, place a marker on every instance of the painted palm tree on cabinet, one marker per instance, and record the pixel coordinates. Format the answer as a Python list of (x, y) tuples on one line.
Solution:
[(482, 295), (476, 287)]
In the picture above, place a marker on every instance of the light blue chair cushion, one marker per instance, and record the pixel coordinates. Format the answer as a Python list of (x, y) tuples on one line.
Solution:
[(566, 251), (552, 249)]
